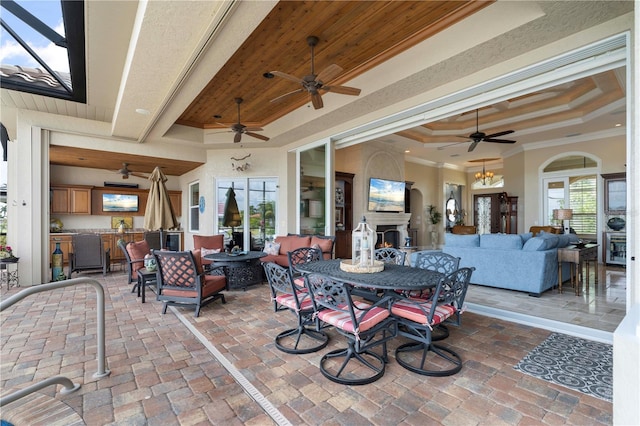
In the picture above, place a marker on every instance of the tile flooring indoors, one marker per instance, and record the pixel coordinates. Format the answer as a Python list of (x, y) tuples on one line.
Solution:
[(223, 368)]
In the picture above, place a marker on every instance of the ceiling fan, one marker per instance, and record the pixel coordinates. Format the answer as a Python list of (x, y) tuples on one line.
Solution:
[(125, 172), (239, 128), (314, 83), (479, 136)]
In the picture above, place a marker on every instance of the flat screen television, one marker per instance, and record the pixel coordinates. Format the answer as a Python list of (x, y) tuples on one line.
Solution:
[(119, 203), (386, 195)]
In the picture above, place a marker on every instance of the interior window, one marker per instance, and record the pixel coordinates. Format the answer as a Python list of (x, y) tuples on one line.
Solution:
[(572, 184), (194, 206)]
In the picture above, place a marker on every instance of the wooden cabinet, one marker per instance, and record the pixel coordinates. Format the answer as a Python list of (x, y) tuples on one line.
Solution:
[(344, 214), (495, 213), (70, 199), (65, 246)]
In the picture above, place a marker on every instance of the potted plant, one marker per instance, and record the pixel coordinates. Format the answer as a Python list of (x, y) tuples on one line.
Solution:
[(434, 217)]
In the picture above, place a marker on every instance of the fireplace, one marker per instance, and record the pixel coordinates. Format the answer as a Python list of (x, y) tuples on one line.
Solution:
[(389, 226), (388, 236)]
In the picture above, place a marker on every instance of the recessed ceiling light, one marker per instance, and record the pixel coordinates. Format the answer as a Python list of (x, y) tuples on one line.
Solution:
[(618, 124), (268, 75), (455, 155), (142, 111), (407, 151), (217, 116)]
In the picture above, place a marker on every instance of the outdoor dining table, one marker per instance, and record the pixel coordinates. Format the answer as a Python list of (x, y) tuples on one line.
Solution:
[(393, 277)]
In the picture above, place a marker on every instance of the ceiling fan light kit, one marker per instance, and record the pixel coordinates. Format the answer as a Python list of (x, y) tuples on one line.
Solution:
[(314, 83)]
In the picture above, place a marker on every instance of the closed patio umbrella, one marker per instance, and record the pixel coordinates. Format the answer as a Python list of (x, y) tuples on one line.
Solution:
[(231, 216), (159, 213)]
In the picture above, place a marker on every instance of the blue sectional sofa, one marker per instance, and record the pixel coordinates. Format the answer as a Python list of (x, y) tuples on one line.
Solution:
[(511, 261)]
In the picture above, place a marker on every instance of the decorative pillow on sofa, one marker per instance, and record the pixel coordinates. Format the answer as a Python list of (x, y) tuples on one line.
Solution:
[(551, 239), (541, 242), (324, 244), (501, 241), (458, 240), (292, 242), (272, 248), (526, 236)]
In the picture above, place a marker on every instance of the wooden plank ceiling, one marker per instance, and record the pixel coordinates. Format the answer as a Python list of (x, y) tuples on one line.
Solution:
[(356, 35)]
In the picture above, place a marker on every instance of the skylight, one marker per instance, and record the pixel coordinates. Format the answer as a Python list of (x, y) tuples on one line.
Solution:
[(43, 48)]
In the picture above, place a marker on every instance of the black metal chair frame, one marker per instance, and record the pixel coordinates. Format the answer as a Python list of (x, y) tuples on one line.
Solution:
[(302, 255), (185, 278), (80, 248), (390, 255), (451, 290), (443, 263), (333, 296), (282, 284)]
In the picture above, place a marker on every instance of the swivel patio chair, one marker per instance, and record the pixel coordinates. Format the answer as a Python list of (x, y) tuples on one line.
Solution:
[(417, 319), (299, 256), (182, 281), (360, 322), (287, 295), (390, 255), (88, 253)]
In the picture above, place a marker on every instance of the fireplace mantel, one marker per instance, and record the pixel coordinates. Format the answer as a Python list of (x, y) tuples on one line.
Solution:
[(399, 220)]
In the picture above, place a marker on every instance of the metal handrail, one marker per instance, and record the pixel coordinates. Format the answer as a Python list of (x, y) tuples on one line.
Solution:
[(101, 355)]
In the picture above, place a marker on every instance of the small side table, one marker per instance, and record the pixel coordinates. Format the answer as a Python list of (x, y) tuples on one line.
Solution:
[(578, 256), (145, 278), (9, 274)]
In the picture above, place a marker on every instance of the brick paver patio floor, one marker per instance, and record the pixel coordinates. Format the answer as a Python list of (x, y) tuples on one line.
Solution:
[(163, 374)]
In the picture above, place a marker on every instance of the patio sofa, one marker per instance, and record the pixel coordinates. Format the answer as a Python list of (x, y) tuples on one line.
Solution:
[(511, 261), (278, 248)]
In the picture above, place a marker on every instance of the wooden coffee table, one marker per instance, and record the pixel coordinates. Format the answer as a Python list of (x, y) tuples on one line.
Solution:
[(578, 256), (242, 270)]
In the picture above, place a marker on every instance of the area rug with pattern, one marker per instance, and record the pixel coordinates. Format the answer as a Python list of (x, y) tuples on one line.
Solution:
[(582, 365)]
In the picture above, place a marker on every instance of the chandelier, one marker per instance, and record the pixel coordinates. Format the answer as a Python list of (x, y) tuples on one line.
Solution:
[(484, 177)]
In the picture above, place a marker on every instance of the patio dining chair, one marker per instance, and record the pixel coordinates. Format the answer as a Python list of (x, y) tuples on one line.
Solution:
[(365, 325), (417, 319), (183, 282), (287, 295), (390, 255), (299, 256)]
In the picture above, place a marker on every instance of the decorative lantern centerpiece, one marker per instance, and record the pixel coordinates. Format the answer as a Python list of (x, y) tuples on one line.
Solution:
[(363, 242)]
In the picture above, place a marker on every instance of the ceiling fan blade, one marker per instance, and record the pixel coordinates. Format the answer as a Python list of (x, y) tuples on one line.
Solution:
[(343, 90), (281, 97), (257, 136), (287, 76), (140, 175), (329, 73), (237, 137), (498, 140), (493, 135), (473, 146), (253, 129), (316, 100)]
